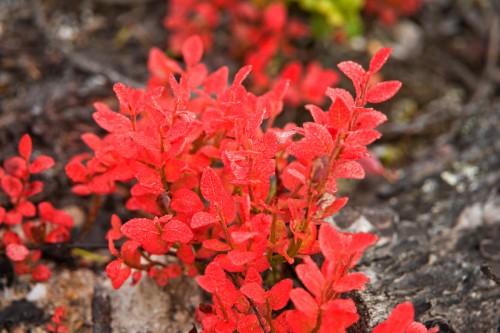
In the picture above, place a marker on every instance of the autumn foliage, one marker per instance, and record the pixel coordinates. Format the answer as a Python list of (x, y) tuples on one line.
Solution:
[(240, 203), (222, 195), (22, 223), (263, 35)]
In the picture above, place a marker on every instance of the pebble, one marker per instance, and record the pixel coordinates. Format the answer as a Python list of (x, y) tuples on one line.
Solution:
[(38, 292)]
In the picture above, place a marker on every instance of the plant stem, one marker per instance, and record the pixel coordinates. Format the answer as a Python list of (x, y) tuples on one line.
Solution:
[(252, 304)]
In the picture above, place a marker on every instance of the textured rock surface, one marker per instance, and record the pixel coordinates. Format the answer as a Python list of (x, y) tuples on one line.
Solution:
[(440, 235)]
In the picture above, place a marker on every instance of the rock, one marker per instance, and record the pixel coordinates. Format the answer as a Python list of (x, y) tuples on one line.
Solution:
[(38, 292)]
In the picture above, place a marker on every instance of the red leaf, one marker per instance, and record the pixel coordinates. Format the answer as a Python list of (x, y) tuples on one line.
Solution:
[(62, 218), (362, 240), (383, 91), (176, 231), (362, 137), (298, 323), (311, 276), (109, 120), (369, 119), (13, 217), (33, 188), (192, 50), (26, 208), (127, 97), (162, 66), (332, 242), (275, 16), (202, 219), (349, 169), (240, 257), (16, 166), (242, 236), (253, 276), (186, 201), (41, 163), (185, 253), (81, 190), (316, 82), (317, 142), (150, 179), (354, 72), (214, 276), (335, 207), (17, 252), (241, 75), (335, 93), (91, 140), (57, 235), (41, 273), (12, 186), (174, 169), (246, 323), (337, 246), (354, 153), (130, 253), (317, 113), (294, 175), (353, 281), (10, 237), (46, 211), (212, 189), (147, 233), (379, 59), (216, 245), (76, 171), (216, 82), (279, 294), (420, 328), (147, 140), (196, 75), (211, 186), (339, 114), (117, 274), (113, 234), (304, 302), (254, 291), (399, 319), (338, 315), (25, 146)]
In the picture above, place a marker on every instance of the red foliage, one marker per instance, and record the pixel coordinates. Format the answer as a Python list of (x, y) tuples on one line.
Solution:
[(388, 11), (262, 35), (51, 226), (217, 185), (401, 321), (56, 326)]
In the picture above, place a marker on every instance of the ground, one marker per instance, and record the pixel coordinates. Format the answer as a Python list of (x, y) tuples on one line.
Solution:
[(438, 214)]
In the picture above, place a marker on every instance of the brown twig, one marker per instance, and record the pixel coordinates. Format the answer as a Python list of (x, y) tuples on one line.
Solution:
[(93, 210), (489, 274), (252, 304)]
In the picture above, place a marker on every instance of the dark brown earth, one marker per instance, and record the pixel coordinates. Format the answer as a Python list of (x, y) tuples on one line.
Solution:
[(438, 218)]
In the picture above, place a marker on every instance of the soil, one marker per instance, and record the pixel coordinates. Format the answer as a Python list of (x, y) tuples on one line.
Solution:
[(437, 211)]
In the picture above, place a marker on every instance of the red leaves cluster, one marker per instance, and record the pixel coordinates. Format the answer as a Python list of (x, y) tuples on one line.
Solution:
[(261, 35), (214, 186), (321, 309), (388, 11), (39, 224), (57, 326)]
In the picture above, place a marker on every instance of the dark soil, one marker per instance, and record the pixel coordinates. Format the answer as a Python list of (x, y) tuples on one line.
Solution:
[(438, 216)]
